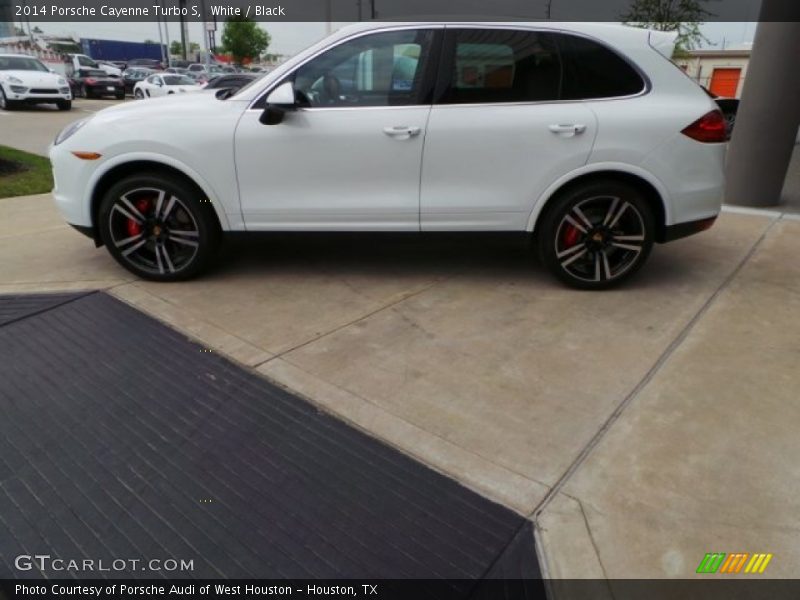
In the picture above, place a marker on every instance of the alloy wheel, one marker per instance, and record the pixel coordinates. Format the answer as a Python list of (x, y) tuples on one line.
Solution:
[(600, 238), (154, 231)]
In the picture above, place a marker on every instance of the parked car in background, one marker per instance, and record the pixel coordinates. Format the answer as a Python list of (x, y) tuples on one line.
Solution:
[(72, 63), (232, 82), (120, 64), (180, 63), (25, 79), (94, 83), (149, 63), (164, 84), (132, 76), (176, 70), (582, 136), (199, 77)]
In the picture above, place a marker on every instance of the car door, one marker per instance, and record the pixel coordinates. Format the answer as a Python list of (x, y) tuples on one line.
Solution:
[(349, 157), (498, 133)]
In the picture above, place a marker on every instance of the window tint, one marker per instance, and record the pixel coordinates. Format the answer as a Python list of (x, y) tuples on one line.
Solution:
[(593, 71), (499, 65), (383, 69)]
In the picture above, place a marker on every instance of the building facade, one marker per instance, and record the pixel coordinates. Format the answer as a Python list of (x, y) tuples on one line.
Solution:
[(722, 72)]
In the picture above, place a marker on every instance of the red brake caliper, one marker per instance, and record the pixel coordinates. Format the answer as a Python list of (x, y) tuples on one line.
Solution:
[(133, 227), (571, 235)]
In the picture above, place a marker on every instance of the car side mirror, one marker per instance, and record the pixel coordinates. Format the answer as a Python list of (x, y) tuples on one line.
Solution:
[(280, 101)]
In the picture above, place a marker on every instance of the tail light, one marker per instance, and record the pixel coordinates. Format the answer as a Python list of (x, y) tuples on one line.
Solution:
[(91, 80), (708, 129)]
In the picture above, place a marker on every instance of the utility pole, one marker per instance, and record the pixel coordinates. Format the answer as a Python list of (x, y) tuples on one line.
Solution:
[(182, 23)]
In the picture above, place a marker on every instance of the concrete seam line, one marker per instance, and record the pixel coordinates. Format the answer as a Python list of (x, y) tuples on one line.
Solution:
[(663, 358), (591, 538), (354, 321)]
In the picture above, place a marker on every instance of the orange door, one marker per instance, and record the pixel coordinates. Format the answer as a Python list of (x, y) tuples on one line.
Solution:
[(725, 82)]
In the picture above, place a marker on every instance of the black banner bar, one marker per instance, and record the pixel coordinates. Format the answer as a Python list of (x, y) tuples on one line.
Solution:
[(37, 11)]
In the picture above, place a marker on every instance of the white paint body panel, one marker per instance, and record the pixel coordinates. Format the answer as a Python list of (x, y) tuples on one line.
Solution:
[(477, 167)]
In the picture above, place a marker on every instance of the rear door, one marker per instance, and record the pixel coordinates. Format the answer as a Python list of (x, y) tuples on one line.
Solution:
[(498, 134)]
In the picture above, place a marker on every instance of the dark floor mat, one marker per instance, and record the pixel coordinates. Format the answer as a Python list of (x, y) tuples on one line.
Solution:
[(19, 306), (121, 438)]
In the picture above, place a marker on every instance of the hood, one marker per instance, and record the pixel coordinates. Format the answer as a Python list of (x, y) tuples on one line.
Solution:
[(169, 107), (35, 78)]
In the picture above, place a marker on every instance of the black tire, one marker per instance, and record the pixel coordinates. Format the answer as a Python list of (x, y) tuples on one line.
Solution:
[(120, 95), (171, 234), (64, 104), (138, 95), (597, 235), (5, 103)]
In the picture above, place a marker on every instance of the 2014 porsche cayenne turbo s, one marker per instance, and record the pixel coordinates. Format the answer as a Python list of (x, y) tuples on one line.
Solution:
[(584, 135)]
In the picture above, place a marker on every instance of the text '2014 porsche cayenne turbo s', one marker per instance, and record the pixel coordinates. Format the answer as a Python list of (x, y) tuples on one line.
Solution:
[(586, 136)]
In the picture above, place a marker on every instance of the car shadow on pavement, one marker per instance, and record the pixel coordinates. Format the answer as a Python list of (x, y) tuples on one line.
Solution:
[(491, 257)]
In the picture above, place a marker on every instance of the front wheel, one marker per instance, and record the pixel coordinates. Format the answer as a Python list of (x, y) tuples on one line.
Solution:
[(64, 104), (596, 235), (158, 227), (138, 94), (5, 103)]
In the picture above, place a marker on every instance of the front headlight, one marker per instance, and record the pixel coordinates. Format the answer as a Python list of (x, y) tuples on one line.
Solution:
[(62, 81), (14, 79), (70, 130)]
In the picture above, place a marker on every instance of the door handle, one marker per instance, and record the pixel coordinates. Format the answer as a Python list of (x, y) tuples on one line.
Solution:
[(401, 132), (573, 128)]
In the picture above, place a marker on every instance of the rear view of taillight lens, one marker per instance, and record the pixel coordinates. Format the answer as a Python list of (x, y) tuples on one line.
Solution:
[(708, 129)]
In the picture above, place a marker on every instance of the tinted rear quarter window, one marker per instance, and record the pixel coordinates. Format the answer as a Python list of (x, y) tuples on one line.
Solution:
[(592, 70)]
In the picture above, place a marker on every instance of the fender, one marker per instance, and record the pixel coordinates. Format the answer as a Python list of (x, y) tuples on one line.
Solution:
[(637, 171), (169, 161)]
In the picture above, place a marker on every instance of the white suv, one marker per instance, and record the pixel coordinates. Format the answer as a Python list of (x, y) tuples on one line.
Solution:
[(584, 135)]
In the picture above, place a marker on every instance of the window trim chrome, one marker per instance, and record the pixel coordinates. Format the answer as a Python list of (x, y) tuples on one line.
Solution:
[(646, 89)]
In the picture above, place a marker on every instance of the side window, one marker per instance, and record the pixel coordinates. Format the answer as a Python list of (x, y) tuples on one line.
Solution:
[(501, 65), (85, 61), (592, 70), (383, 69)]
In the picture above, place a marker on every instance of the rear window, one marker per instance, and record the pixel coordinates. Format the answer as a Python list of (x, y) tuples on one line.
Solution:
[(592, 70)]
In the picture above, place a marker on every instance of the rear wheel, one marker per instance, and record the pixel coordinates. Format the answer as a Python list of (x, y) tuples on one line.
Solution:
[(138, 94), (596, 235), (158, 227)]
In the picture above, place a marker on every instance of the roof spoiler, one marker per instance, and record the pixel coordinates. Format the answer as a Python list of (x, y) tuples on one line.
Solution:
[(663, 42)]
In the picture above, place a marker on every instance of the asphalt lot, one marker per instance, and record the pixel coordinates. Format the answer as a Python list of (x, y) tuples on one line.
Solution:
[(33, 128), (639, 428)]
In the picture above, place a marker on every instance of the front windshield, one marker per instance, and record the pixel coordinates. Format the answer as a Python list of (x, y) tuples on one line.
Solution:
[(178, 80), (21, 63)]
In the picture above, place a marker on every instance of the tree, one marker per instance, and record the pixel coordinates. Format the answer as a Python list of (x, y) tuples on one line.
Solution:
[(681, 16), (243, 38), (176, 48)]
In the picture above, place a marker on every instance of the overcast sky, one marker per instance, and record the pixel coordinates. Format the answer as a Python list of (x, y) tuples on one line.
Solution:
[(289, 38)]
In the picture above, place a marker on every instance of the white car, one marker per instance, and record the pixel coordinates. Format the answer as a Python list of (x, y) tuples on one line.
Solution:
[(584, 135), (24, 79), (164, 84)]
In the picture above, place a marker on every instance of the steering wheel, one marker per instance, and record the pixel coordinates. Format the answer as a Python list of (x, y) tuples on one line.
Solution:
[(331, 90)]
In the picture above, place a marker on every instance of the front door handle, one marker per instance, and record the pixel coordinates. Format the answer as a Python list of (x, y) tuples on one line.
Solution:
[(568, 128), (401, 132)]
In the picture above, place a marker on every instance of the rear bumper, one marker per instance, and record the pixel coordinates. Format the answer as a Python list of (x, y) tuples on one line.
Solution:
[(682, 230)]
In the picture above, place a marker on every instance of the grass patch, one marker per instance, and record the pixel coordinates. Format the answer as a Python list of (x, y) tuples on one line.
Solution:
[(23, 174)]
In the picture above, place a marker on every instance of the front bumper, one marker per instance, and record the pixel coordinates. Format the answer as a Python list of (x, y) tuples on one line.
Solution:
[(37, 95)]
